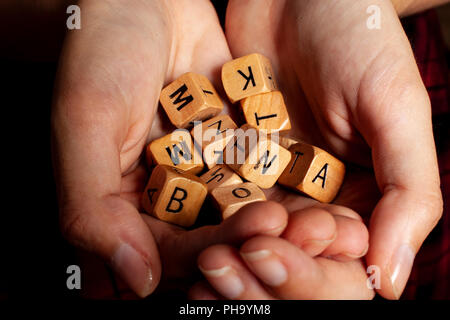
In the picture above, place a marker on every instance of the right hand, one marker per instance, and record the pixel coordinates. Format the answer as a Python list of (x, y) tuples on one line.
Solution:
[(105, 112), (357, 92)]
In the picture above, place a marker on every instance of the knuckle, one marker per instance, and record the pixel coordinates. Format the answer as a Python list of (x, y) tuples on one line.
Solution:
[(432, 207), (436, 208)]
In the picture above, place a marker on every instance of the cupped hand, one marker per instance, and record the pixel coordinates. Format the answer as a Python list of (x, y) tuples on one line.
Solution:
[(357, 92), (105, 111), (316, 257)]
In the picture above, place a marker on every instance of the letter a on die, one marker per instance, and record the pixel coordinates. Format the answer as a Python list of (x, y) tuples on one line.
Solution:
[(314, 172)]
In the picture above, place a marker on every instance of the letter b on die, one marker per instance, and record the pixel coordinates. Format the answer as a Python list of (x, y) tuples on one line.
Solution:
[(174, 196)]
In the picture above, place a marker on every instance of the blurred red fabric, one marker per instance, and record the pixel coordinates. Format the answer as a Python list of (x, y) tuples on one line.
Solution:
[(430, 277)]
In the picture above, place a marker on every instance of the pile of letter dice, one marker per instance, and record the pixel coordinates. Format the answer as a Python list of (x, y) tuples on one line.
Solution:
[(239, 162)]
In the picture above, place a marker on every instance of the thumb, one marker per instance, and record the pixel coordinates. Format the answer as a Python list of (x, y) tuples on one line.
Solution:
[(399, 130), (93, 216), (104, 105)]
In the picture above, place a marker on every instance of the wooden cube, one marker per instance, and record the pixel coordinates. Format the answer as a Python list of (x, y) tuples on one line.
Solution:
[(176, 150), (213, 135), (266, 111), (255, 157), (190, 98), (231, 198), (314, 172), (220, 176), (287, 141), (173, 196), (248, 76)]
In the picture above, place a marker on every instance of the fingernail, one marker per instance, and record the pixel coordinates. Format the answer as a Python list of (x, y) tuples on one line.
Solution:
[(400, 268), (314, 247), (353, 256), (226, 281), (133, 269), (277, 231), (266, 266)]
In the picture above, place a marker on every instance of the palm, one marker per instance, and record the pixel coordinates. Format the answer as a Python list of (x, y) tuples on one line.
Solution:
[(198, 47), (113, 70), (359, 191)]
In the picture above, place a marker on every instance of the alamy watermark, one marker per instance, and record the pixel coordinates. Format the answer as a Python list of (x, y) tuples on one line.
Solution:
[(249, 146), (74, 20), (374, 279), (74, 279), (374, 20)]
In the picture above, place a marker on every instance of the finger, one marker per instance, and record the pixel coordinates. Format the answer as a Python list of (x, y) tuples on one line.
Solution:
[(93, 142), (202, 291), (352, 241), (337, 210), (227, 274), (94, 217), (328, 230), (290, 273), (269, 218), (133, 183), (312, 230)]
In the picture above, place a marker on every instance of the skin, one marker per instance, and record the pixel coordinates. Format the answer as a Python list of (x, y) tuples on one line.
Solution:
[(105, 111), (368, 92)]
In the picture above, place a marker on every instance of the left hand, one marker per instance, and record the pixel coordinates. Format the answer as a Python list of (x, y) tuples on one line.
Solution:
[(105, 111)]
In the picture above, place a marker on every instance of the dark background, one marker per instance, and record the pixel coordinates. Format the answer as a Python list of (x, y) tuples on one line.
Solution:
[(34, 257)]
